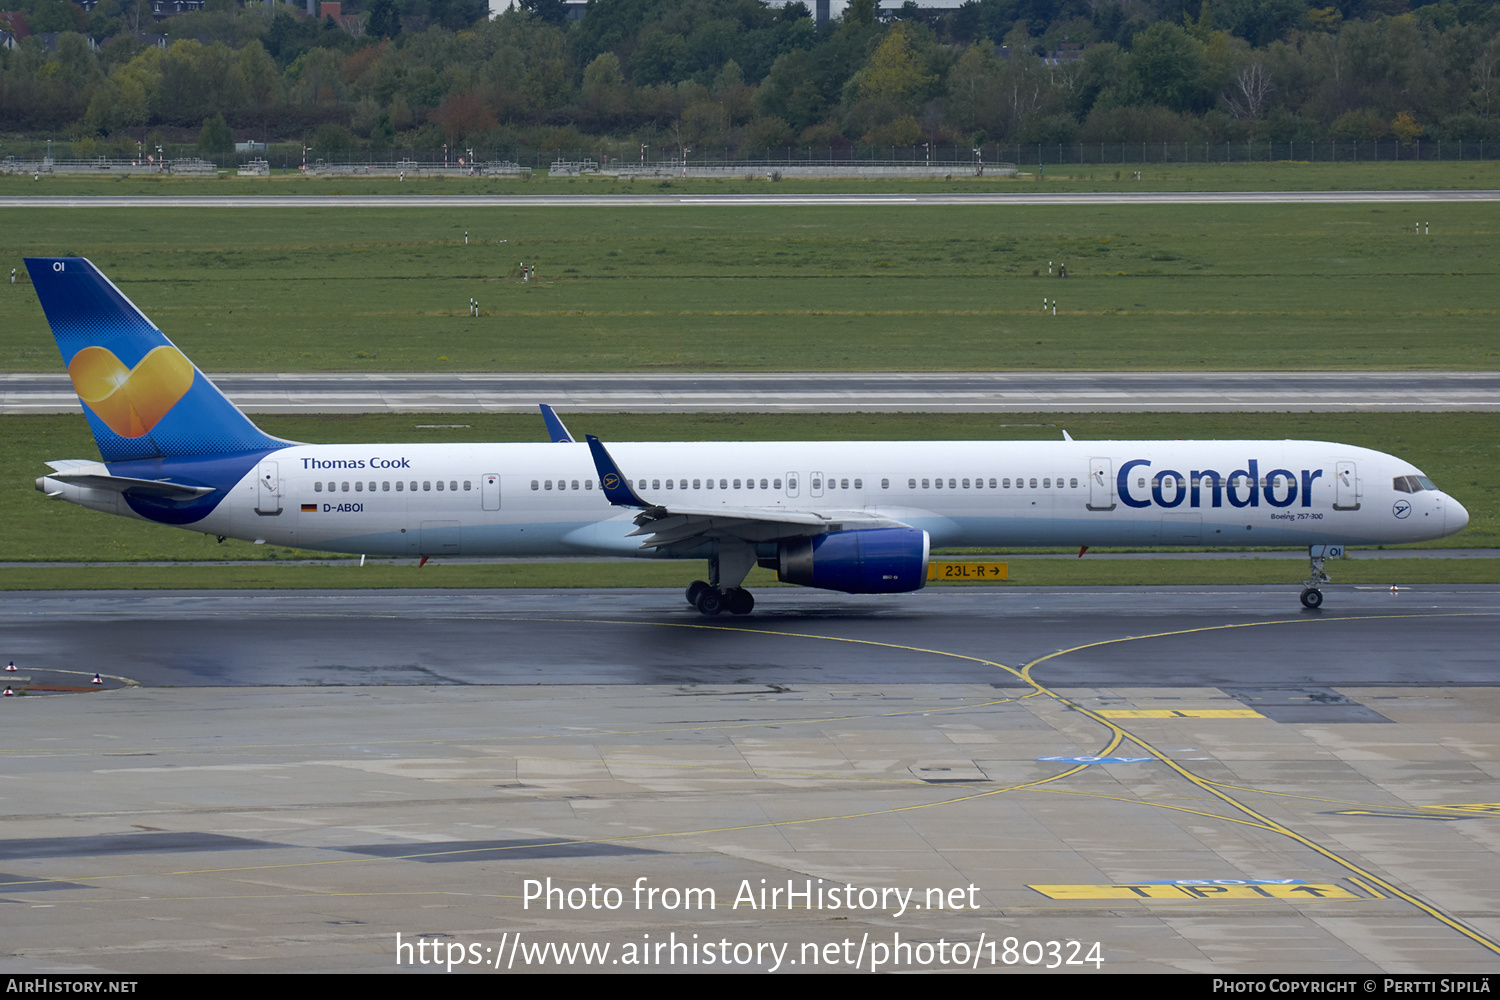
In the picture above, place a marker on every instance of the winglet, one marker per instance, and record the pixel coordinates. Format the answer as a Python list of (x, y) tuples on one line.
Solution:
[(611, 480), (555, 429), (1067, 436)]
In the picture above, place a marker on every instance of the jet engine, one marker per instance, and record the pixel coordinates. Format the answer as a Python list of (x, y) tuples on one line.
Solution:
[(865, 561)]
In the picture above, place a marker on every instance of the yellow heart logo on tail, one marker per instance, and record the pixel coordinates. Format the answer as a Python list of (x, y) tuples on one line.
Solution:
[(130, 401)]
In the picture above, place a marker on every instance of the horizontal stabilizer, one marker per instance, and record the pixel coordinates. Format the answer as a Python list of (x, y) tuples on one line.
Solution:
[(96, 476)]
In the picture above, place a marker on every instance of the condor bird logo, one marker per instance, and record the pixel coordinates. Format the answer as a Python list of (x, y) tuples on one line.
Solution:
[(131, 401), (611, 481)]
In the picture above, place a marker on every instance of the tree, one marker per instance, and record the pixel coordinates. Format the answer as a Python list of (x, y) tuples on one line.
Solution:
[(551, 11), (385, 19), (893, 73), (860, 13), (604, 85), (1250, 91), (216, 137), (1166, 67), (1406, 128)]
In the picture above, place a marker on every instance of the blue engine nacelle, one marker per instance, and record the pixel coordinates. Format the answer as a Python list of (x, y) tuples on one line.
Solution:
[(869, 561)]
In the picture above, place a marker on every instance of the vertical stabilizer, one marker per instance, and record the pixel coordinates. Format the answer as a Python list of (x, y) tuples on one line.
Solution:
[(142, 396)]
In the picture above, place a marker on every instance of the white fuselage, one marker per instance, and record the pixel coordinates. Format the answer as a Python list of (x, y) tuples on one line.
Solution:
[(544, 499)]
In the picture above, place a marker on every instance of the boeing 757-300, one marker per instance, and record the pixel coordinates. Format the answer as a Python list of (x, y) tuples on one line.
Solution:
[(857, 517)]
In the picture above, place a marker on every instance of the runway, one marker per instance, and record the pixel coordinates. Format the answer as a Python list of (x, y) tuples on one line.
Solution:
[(1195, 779), (976, 199), (819, 392)]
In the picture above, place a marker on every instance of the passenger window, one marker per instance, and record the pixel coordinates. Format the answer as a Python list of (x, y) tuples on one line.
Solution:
[(385, 487), (736, 484), (1072, 484), (346, 488), (588, 484), (966, 484), (399, 485), (859, 484), (656, 484), (318, 487), (469, 486), (992, 483), (953, 484), (926, 485), (762, 484), (440, 485), (911, 484), (359, 487), (697, 484), (535, 485)]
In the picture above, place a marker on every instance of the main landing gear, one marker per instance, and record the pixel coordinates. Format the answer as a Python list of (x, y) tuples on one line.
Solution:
[(711, 600), (726, 571)]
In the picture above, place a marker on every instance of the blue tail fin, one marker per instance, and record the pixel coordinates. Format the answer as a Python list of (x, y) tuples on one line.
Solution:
[(142, 396)]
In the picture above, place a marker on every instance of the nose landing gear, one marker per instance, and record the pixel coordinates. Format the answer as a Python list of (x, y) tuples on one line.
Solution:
[(1312, 597)]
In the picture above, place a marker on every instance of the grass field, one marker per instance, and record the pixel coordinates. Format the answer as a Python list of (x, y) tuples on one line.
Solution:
[(1456, 450), (813, 288)]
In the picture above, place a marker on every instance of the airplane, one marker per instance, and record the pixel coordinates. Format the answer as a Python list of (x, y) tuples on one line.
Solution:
[(854, 517)]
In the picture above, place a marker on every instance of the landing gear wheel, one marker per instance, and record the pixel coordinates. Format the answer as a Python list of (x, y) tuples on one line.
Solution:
[(738, 601), (1312, 597), (710, 601), (694, 589)]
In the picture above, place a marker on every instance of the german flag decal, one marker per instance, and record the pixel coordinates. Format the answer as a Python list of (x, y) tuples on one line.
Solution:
[(309, 508)]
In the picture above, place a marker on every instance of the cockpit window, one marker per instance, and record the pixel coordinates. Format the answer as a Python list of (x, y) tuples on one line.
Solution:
[(1412, 484)]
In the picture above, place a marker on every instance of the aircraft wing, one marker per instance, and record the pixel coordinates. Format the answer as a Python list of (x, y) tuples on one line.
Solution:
[(688, 526), (669, 525)]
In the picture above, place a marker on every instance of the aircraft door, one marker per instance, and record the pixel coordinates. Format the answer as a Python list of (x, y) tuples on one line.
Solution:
[(489, 489), (1345, 487), (1101, 484), (268, 490), (791, 484), (815, 484)]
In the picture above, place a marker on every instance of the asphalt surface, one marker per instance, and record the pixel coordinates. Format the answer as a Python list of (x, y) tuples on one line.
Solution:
[(1204, 780), (821, 392), (1431, 635), (769, 200)]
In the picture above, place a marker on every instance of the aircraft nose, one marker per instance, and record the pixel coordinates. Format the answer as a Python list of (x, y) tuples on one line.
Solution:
[(1455, 516)]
